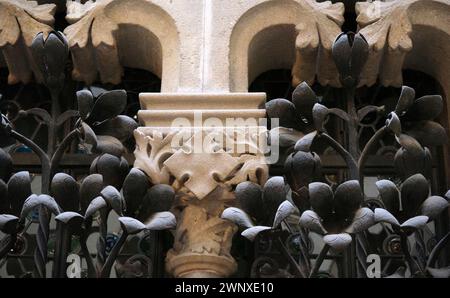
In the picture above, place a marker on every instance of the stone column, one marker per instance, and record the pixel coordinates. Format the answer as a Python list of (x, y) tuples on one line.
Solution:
[(202, 145)]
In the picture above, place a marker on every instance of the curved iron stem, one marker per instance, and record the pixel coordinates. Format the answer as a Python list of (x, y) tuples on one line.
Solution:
[(349, 160), (365, 154), (319, 260)]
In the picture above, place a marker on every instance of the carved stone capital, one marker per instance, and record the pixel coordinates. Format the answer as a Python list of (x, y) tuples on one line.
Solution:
[(203, 154)]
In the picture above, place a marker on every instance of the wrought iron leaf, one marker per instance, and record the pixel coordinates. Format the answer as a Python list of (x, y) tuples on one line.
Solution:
[(249, 196), (131, 225), (284, 210), (42, 200), (72, 220), (134, 189), (428, 133), (113, 198), (311, 220), (237, 216), (85, 103), (427, 107), (411, 158), (415, 223), (338, 241), (301, 199), (414, 192), (433, 206), (274, 193), (348, 198), (284, 110), (320, 113), (112, 168), (405, 100), (66, 192), (8, 223), (382, 215), (19, 189), (90, 188), (95, 205), (108, 105), (121, 127), (159, 198), (305, 143), (88, 135), (161, 221), (252, 232), (321, 199), (109, 144), (389, 195), (364, 219)]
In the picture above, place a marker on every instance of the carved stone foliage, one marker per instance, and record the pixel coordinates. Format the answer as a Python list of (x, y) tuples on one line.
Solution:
[(106, 35), (91, 32), (199, 173), (389, 30), (20, 21), (316, 33)]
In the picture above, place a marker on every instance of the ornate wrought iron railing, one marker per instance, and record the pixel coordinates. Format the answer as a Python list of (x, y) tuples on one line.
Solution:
[(281, 222)]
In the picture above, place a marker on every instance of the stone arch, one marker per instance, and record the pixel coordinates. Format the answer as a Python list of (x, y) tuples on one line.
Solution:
[(309, 29), (106, 36)]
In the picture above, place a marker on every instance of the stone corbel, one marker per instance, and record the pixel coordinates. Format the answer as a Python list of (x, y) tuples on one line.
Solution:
[(203, 163), (321, 24), (20, 21)]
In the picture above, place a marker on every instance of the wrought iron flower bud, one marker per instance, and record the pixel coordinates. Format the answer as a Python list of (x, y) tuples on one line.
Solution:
[(350, 52), (113, 169), (50, 56), (411, 158), (301, 168)]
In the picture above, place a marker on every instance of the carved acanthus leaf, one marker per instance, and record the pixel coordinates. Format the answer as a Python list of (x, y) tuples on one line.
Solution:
[(20, 21), (92, 41), (387, 27), (150, 153), (316, 33)]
